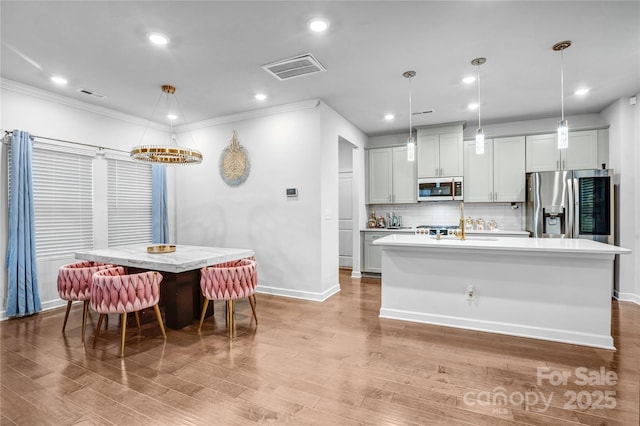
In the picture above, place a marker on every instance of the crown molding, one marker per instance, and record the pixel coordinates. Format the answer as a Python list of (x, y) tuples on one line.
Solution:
[(24, 89), (211, 122), (280, 109)]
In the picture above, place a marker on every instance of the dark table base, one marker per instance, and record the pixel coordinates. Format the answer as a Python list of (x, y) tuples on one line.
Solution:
[(181, 297)]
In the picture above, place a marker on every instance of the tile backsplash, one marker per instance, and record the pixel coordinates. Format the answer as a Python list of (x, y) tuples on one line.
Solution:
[(508, 218)]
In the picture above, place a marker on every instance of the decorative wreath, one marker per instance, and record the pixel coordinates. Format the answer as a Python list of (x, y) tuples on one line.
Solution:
[(234, 162)]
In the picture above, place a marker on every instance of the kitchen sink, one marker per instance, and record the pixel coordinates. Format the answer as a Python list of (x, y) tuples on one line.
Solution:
[(467, 238)]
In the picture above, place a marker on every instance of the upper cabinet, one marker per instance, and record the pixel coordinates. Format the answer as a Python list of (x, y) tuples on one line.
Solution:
[(392, 178), (498, 175), (583, 151), (440, 151)]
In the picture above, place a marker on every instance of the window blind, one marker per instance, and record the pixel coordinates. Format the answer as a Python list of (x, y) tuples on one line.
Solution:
[(129, 202), (63, 201)]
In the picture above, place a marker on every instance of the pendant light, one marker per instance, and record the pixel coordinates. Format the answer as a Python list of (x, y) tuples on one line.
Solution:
[(170, 153), (411, 143), (479, 134), (563, 126)]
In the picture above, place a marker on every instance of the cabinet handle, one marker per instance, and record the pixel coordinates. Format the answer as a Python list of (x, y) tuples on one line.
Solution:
[(436, 172), (564, 165), (441, 172), (490, 196), (557, 164)]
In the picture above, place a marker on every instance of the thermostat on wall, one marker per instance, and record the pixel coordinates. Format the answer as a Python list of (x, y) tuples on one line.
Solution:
[(292, 192)]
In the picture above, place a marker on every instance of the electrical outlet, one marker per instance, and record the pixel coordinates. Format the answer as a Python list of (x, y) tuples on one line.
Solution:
[(470, 292)]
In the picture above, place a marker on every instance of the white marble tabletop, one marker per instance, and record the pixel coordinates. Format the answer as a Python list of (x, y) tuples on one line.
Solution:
[(185, 258), (472, 242)]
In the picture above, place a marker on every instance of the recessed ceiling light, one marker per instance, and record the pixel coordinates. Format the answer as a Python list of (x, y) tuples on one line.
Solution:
[(260, 96), (468, 80), (389, 117), (473, 106), (172, 116), (59, 80), (318, 25), (582, 91), (157, 38)]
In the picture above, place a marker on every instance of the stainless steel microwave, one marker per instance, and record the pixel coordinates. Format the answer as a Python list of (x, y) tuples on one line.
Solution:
[(440, 189)]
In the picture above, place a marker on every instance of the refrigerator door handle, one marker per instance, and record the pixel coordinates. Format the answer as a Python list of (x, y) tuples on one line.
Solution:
[(572, 214)]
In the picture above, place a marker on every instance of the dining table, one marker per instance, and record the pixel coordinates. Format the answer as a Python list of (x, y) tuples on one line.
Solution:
[(180, 269)]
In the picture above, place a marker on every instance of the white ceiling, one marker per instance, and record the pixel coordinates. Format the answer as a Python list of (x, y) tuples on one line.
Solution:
[(217, 48)]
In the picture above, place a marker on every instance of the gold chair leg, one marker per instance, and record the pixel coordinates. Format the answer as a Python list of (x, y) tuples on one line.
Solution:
[(124, 330), (204, 311), (159, 318), (85, 310), (231, 318), (66, 316), (253, 307), (138, 321), (95, 336)]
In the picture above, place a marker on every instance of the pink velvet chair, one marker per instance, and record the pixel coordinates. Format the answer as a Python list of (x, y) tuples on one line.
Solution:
[(113, 292), (229, 281), (74, 284)]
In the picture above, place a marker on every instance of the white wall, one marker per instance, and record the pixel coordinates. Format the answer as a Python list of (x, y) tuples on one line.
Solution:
[(624, 157), (334, 128), (49, 115), (293, 238)]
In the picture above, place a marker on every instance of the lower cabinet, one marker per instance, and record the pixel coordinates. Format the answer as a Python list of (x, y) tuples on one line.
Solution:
[(372, 255)]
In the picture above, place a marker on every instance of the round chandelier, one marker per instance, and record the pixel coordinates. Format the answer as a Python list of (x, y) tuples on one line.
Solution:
[(166, 154)]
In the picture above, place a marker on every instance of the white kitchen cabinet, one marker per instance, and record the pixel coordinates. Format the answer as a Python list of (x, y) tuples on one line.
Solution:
[(439, 155), (543, 153), (498, 175), (372, 255), (391, 177)]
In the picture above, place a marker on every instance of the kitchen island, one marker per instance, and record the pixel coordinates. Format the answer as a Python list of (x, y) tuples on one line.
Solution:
[(551, 289)]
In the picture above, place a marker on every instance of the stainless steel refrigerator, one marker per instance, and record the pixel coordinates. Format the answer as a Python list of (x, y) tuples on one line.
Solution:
[(571, 204)]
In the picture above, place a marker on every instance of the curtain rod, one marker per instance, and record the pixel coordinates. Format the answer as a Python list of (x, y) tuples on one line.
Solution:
[(9, 132)]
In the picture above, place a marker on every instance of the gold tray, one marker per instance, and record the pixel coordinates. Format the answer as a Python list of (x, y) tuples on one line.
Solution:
[(161, 248)]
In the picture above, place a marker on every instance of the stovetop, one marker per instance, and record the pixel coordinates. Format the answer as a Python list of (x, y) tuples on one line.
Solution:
[(435, 229)]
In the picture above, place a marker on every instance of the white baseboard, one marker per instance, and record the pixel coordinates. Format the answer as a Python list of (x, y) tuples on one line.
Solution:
[(46, 306), (554, 335), (298, 294), (627, 297)]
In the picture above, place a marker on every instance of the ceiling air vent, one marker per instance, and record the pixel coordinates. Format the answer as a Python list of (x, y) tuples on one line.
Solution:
[(90, 93), (294, 67)]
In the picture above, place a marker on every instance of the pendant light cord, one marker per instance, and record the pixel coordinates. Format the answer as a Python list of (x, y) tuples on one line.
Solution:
[(562, 81), (410, 135), (479, 102)]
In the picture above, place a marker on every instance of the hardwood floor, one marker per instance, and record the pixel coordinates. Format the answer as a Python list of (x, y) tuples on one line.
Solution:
[(330, 363)]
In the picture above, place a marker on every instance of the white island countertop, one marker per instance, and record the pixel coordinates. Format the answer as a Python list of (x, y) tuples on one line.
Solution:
[(490, 243)]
